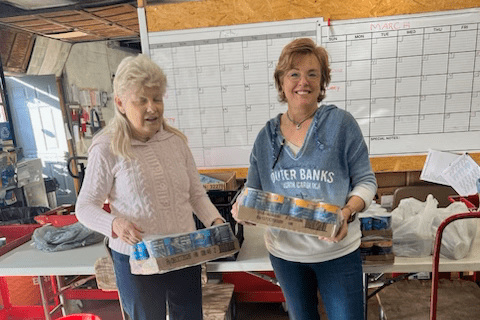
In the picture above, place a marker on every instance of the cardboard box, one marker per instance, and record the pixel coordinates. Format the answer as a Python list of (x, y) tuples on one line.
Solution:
[(386, 234), (229, 181), (286, 222), (377, 247), (379, 259)]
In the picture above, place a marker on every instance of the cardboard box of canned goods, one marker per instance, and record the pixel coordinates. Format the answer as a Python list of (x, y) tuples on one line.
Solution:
[(221, 181), (160, 254), (293, 214)]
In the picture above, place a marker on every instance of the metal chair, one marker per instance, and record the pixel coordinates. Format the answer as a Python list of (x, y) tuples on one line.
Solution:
[(441, 193), (436, 261)]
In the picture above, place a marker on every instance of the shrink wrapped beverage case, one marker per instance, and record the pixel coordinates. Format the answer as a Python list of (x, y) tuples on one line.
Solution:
[(293, 214), (164, 253)]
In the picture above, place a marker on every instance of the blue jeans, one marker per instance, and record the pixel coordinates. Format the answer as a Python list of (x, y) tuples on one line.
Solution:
[(340, 282), (144, 297)]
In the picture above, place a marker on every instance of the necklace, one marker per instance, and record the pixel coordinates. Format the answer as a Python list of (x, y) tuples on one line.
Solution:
[(299, 124)]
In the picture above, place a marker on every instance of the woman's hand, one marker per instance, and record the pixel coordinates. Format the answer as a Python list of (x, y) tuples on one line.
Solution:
[(342, 233), (127, 231), (217, 221), (355, 203), (234, 211)]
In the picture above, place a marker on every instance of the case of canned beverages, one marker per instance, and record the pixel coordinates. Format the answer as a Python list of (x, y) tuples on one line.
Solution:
[(160, 254), (294, 214)]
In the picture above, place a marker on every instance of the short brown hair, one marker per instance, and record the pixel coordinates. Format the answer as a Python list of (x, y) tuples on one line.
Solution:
[(302, 46)]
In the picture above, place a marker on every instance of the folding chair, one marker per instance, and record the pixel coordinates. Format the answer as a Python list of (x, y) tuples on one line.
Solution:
[(441, 193)]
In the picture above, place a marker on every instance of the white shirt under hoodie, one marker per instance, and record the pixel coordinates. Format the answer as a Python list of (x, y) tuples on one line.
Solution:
[(158, 190)]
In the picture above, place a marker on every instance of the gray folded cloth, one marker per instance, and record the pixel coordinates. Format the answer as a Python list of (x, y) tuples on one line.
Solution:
[(50, 239)]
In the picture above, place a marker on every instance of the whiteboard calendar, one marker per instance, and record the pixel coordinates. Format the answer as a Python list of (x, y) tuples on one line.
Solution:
[(412, 82)]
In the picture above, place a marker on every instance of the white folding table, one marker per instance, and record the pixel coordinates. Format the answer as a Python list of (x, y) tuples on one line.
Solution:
[(26, 260)]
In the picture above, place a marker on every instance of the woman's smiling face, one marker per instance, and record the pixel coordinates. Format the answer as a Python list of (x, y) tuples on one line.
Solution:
[(301, 83), (143, 108)]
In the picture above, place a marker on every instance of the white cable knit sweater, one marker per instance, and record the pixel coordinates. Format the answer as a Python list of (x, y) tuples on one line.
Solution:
[(158, 190)]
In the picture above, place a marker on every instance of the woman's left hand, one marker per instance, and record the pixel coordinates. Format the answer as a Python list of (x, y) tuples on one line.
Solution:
[(342, 233), (354, 204), (217, 221)]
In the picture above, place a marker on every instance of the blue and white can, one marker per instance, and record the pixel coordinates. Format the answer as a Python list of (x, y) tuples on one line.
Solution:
[(326, 213), (276, 203), (366, 223), (201, 238), (157, 248), (249, 197), (261, 201), (140, 251), (381, 223), (301, 208), (179, 244), (221, 234)]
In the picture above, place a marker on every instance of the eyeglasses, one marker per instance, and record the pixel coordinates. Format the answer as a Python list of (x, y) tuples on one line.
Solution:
[(295, 75)]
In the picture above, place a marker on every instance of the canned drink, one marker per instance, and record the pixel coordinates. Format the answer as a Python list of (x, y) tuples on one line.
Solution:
[(157, 248), (381, 223), (201, 238), (249, 198), (366, 223), (325, 212), (274, 202), (366, 249), (301, 208), (261, 201), (384, 247), (179, 244), (221, 234), (140, 251)]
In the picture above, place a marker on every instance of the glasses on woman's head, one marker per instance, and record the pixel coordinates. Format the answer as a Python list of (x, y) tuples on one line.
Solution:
[(294, 75)]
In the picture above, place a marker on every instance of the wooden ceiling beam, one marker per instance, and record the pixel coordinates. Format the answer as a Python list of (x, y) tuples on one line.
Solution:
[(105, 21), (70, 28), (8, 25), (51, 21), (96, 23), (107, 12)]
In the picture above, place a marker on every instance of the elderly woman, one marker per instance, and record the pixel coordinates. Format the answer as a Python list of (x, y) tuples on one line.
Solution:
[(145, 170), (317, 153)]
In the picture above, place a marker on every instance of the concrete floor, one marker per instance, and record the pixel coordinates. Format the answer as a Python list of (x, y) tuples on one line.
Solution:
[(110, 310)]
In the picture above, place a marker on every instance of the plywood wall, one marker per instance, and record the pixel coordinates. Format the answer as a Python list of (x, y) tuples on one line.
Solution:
[(210, 13)]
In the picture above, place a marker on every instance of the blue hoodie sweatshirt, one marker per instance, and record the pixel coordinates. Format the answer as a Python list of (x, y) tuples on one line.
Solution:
[(331, 166)]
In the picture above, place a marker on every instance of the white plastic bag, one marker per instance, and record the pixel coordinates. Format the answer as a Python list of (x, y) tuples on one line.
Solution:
[(411, 224), (458, 236), (415, 224)]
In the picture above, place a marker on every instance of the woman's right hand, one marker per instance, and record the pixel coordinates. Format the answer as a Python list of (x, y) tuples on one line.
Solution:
[(235, 211), (127, 231)]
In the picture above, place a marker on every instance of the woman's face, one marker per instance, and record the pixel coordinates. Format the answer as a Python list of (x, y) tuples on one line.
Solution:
[(143, 108), (301, 84)]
